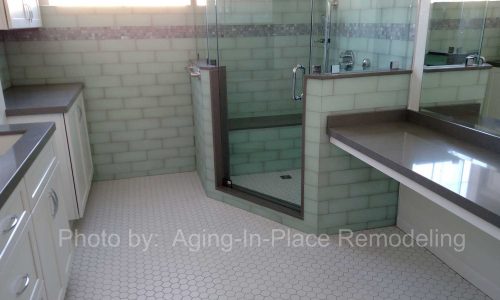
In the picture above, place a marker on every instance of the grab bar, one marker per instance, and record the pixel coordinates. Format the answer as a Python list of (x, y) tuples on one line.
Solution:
[(294, 82)]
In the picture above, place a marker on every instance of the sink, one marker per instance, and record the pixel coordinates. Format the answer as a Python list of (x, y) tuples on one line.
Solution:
[(7, 141)]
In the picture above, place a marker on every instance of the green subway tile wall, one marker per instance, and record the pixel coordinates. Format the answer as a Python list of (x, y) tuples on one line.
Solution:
[(4, 68), (454, 87), (259, 70), (137, 91), (346, 192), (265, 150)]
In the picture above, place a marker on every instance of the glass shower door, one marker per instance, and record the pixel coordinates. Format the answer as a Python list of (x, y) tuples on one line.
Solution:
[(260, 43)]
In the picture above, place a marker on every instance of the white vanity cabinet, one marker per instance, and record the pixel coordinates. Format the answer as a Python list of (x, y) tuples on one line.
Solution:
[(17, 14), (19, 276), (49, 217), (35, 264), (73, 151), (79, 148)]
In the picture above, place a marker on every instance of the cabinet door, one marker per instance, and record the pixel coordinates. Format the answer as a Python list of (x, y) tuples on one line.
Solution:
[(17, 13), (46, 250), (50, 220), (84, 137), (63, 156), (79, 147), (36, 16), (60, 226), (18, 279), (22, 13)]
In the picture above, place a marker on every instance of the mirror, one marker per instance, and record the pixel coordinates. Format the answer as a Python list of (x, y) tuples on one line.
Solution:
[(461, 77)]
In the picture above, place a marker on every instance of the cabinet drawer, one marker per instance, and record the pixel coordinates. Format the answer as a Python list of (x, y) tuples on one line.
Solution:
[(18, 278), (39, 173), (13, 217)]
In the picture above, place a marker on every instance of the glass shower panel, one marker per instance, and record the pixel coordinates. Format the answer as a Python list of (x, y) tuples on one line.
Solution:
[(259, 43), (490, 48), (210, 30), (200, 21), (322, 15), (455, 31), (371, 35)]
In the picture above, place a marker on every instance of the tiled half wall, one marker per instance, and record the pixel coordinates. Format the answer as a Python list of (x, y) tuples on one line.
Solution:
[(340, 190)]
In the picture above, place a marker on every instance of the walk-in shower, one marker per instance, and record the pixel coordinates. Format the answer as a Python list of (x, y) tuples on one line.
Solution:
[(266, 47)]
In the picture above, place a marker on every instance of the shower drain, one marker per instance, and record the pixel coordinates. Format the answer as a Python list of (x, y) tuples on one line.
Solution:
[(286, 177)]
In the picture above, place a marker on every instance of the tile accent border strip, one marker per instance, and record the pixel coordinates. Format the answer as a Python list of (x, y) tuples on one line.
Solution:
[(476, 23), (403, 32), (376, 31), (100, 33)]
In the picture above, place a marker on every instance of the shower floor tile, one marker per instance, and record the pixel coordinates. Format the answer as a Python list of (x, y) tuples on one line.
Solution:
[(166, 205), (271, 183)]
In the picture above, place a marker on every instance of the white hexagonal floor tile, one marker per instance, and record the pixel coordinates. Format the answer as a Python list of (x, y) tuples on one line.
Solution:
[(159, 206)]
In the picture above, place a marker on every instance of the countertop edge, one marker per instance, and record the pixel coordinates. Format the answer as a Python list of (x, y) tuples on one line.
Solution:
[(13, 181), (356, 74), (456, 68), (16, 112)]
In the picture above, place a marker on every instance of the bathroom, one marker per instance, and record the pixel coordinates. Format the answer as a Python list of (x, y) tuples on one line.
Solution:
[(153, 149)]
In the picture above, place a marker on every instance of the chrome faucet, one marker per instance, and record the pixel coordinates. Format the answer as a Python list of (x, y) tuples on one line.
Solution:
[(366, 64), (475, 58), (347, 60)]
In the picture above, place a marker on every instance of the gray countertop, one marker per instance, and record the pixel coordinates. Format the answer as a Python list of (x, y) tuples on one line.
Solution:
[(454, 168), (40, 99), (17, 160)]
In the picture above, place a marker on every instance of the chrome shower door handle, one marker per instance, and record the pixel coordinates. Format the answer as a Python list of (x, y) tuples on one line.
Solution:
[(296, 97)]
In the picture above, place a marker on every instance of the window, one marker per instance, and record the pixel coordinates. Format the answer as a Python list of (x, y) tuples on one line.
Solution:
[(86, 3)]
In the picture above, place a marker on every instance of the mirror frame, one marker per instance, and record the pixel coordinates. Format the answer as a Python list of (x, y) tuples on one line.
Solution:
[(422, 27)]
